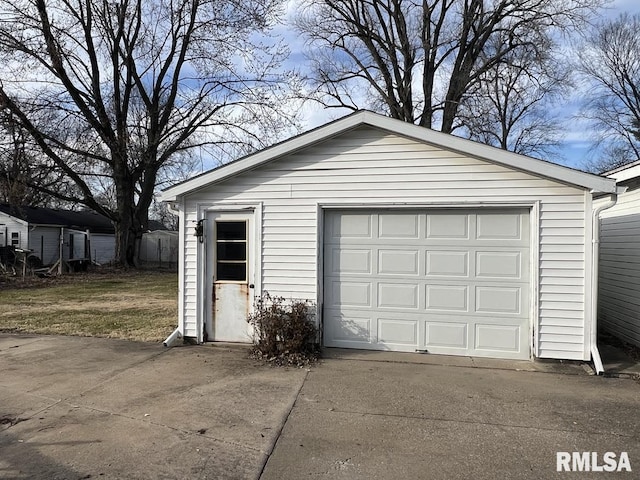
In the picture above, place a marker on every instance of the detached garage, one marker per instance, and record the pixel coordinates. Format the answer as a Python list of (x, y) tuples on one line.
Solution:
[(406, 238)]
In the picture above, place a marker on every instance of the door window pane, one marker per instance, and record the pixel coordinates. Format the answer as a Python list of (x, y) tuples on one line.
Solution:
[(232, 251), (232, 230), (232, 271)]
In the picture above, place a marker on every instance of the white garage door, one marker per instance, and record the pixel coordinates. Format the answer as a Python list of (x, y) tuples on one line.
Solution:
[(443, 281)]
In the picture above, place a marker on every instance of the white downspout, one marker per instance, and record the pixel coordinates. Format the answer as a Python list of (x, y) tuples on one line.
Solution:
[(595, 353), (173, 338)]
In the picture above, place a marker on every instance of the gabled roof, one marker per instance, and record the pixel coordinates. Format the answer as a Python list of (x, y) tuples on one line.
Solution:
[(84, 220), (481, 151)]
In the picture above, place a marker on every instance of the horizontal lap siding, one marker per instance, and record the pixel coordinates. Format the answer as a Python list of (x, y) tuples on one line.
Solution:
[(45, 242), (561, 330), (619, 293), (368, 166)]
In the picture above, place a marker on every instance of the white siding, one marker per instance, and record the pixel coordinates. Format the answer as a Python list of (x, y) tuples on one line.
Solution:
[(370, 167), (619, 273), (103, 247), (45, 243), (10, 226)]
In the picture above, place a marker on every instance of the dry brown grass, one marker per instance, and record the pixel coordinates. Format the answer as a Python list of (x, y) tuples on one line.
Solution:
[(133, 305)]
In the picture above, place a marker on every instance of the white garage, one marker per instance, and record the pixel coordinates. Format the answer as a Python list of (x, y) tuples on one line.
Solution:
[(405, 238), (450, 281)]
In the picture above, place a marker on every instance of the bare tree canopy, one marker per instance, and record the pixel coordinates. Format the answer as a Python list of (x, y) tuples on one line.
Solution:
[(116, 92), (19, 169), (421, 61), (611, 64), (509, 106)]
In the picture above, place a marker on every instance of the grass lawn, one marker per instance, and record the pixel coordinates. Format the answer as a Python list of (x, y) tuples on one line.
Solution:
[(133, 305)]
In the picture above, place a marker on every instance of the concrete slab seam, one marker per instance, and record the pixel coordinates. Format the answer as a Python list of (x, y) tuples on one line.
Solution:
[(469, 422), (283, 422)]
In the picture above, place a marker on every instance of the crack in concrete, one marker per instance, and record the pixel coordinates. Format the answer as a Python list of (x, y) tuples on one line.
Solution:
[(272, 446), (116, 373)]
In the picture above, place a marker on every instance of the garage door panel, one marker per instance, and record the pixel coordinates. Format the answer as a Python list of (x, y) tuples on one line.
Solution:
[(398, 225), (398, 262), (445, 263), (446, 335), (349, 260), (499, 265), (451, 226), (498, 226), (453, 298), (398, 295), (499, 300), (397, 332), (351, 329), (351, 226), (448, 282), (497, 338), (349, 293)]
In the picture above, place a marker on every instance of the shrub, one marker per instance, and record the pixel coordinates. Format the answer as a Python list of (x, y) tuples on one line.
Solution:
[(284, 332)]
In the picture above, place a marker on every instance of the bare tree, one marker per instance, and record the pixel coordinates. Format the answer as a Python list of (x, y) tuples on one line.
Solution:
[(610, 63), (21, 174), (418, 60), (112, 91), (509, 106)]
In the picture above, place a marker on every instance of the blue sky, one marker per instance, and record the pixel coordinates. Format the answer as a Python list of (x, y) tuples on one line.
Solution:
[(577, 145)]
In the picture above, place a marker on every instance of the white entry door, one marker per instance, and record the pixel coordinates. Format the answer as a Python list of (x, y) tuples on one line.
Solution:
[(230, 273), (444, 281)]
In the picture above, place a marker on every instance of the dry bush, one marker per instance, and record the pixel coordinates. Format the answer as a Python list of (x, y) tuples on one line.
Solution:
[(285, 333)]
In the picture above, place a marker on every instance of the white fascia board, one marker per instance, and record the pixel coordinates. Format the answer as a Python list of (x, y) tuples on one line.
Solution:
[(542, 168), (627, 172)]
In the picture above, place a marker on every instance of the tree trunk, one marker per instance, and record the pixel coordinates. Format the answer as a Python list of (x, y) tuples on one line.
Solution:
[(125, 224)]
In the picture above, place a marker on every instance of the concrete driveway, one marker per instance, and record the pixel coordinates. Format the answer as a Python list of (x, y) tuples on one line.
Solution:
[(73, 408), (76, 408)]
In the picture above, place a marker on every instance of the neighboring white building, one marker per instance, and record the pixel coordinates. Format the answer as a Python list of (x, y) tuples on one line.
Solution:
[(619, 293), (406, 238), (159, 248), (48, 232)]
